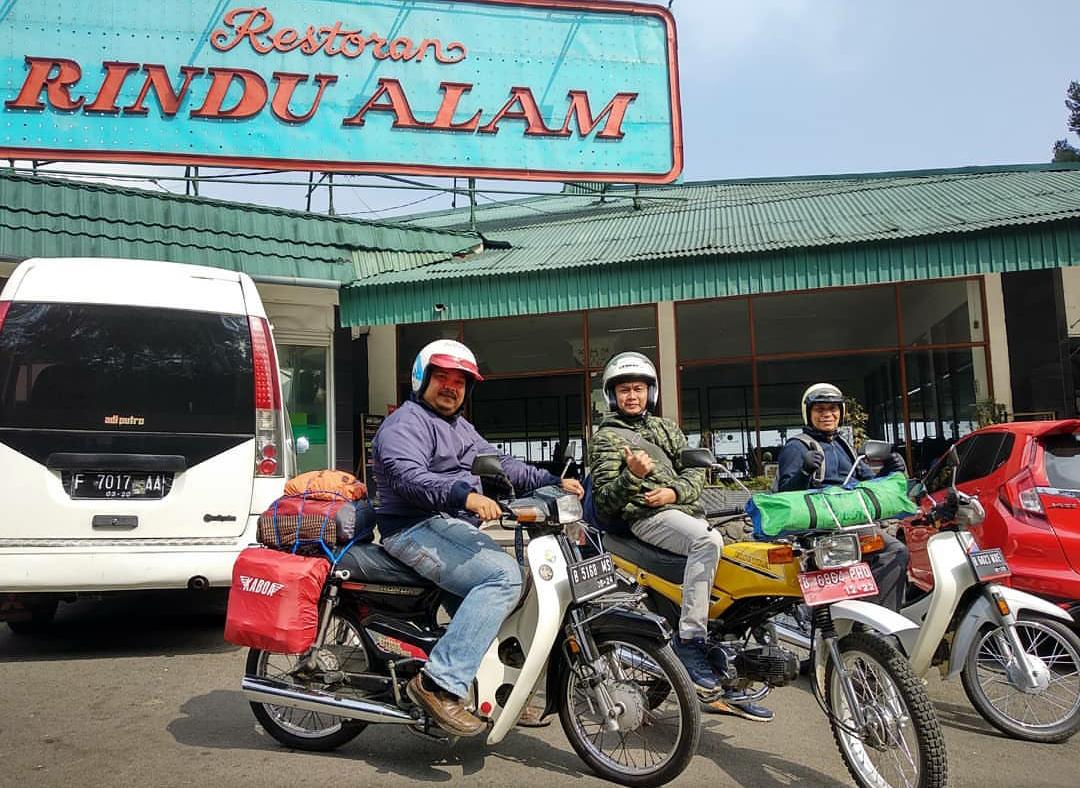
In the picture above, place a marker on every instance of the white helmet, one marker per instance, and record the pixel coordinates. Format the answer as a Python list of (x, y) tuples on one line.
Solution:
[(445, 354), (822, 394), (629, 366)]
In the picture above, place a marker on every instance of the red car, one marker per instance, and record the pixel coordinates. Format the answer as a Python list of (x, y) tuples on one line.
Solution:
[(1027, 476)]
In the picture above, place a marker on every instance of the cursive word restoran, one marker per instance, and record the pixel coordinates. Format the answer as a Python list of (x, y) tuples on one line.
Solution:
[(255, 25)]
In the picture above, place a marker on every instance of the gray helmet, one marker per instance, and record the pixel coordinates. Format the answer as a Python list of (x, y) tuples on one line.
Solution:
[(629, 366), (822, 394)]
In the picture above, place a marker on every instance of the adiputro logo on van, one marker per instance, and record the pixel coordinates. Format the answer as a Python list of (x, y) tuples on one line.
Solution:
[(259, 585), (124, 421)]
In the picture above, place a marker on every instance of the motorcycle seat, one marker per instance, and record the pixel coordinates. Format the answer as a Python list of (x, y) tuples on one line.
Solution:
[(670, 566), (367, 562)]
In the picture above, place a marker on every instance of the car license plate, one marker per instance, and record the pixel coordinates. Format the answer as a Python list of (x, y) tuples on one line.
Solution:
[(117, 484), (833, 585), (989, 564), (592, 578)]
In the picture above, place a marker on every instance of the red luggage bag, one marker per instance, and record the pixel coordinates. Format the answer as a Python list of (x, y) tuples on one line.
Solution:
[(274, 600)]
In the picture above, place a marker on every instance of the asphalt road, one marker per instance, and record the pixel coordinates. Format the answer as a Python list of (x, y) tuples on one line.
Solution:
[(144, 692)]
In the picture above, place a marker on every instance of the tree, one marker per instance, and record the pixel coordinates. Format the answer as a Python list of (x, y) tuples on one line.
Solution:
[(1063, 150)]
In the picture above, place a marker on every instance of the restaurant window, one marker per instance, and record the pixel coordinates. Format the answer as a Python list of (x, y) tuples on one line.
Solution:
[(536, 343), (713, 329), (943, 312), (718, 412), (850, 319), (943, 388)]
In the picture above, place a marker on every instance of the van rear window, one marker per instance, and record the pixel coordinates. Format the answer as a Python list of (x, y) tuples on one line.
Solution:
[(1062, 457), (125, 369)]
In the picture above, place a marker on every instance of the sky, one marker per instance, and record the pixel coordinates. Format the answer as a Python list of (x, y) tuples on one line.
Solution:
[(810, 87)]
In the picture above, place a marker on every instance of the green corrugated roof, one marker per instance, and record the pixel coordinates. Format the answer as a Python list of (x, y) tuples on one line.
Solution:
[(731, 237), (50, 217)]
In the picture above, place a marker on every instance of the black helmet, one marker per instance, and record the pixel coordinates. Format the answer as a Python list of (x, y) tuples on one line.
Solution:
[(822, 394)]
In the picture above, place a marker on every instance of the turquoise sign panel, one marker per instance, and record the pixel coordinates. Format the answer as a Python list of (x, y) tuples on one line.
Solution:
[(534, 89)]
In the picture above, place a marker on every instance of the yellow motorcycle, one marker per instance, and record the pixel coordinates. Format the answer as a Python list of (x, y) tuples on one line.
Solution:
[(881, 717)]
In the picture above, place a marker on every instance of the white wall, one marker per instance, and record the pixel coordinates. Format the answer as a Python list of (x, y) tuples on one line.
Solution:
[(998, 340), (1070, 285), (382, 368), (669, 374)]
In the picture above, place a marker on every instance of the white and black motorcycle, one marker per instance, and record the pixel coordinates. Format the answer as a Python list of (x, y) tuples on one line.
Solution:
[(624, 700), (1015, 653)]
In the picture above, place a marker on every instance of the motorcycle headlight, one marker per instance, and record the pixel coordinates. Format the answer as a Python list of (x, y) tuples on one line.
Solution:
[(832, 552), (568, 509)]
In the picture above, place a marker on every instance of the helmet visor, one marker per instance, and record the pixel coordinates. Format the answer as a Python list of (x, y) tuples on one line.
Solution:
[(444, 361)]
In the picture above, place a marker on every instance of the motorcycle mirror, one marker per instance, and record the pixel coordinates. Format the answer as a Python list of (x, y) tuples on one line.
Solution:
[(952, 462), (696, 458), (487, 465), (876, 450), (302, 444)]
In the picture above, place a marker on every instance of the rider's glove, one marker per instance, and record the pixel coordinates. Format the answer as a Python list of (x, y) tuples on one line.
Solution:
[(812, 460)]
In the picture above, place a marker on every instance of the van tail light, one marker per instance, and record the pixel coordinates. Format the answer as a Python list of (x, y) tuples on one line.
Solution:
[(4, 306), (1020, 495), (268, 435)]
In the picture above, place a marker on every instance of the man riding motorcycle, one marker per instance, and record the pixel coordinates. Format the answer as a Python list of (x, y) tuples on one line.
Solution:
[(819, 457), (429, 507), (636, 476)]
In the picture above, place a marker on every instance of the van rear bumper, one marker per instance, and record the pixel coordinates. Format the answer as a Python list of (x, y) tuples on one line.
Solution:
[(131, 569)]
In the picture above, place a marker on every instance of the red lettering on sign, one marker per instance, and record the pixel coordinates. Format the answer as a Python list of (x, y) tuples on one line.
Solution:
[(158, 79), (251, 101), (580, 110), (284, 92), (115, 74), (396, 102), (255, 25), (444, 118), (528, 112), (54, 77)]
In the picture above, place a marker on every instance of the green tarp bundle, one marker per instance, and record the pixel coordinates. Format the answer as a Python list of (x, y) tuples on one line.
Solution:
[(830, 507)]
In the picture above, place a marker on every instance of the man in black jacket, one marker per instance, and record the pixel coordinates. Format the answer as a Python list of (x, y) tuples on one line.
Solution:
[(819, 457)]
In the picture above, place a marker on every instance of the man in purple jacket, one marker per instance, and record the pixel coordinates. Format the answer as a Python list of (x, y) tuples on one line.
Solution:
[(429, 507)]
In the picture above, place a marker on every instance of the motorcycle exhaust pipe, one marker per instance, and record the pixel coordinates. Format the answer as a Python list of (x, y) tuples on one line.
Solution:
[(260, 690), (793, 637)]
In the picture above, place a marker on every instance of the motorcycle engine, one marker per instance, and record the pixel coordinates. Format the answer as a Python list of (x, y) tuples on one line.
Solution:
[(772, 665)]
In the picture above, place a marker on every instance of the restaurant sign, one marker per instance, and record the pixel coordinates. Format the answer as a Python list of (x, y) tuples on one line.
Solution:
[(534, 89)]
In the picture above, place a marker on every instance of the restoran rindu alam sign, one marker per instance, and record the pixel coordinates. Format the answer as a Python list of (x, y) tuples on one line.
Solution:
[(534, 89)]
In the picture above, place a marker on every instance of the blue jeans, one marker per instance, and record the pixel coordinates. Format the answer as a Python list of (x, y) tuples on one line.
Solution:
[(460, 559)]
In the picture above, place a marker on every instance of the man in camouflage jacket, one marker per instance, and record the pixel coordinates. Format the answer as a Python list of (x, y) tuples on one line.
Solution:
[(637, 476)]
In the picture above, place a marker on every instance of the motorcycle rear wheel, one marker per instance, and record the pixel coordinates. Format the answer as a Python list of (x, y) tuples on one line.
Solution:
[(906, 747), (310, 730), (1052, 715), (662, 734)]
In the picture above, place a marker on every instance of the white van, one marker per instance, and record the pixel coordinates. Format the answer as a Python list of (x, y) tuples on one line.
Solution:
[(141, 429)]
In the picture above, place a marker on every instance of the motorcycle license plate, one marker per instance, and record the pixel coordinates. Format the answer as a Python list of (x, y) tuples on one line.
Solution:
[(592, 578), (989, 564), (117, 484), (834, 585)]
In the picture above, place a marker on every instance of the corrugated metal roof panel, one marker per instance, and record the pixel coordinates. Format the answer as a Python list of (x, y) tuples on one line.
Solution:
[(639, 281), (41, 216)]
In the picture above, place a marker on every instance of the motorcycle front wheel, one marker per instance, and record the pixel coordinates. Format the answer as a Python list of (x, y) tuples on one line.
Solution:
[(901, 743), (342, 650), (653, 738), (1051, 713)]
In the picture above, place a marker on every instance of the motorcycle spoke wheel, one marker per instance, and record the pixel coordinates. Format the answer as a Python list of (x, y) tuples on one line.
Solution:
[(343, 650), (1051, 713), (901, 745), (659, 718)]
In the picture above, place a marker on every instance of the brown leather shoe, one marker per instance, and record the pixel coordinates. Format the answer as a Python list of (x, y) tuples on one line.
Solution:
[(447, 710)]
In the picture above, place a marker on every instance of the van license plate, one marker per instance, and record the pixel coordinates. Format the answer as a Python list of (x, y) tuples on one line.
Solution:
[(117, 484), (592, 578), (833, 585)]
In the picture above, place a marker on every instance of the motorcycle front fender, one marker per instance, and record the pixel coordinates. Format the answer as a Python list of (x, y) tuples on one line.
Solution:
[(635, 623), (983, 611), (877, 618)]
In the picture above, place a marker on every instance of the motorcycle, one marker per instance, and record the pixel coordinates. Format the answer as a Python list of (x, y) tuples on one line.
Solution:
[(1017, 658), (881, 718), (625, 702)]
